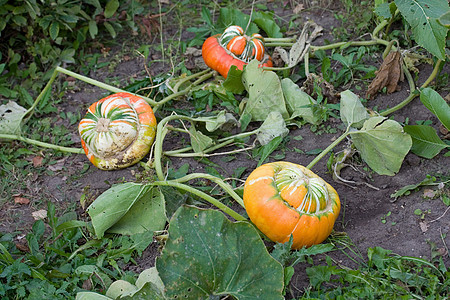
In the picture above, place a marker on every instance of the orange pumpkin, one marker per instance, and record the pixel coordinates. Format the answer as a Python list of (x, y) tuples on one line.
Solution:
[(117, 131), (284, 199), (234, 48)]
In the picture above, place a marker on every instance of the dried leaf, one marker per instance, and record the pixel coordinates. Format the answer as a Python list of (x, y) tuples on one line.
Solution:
[(388, 75), (21, 200), (429, 193), (412, 60), (40, 214), (327, 89), (58, 166), (37, 161), (423, 226), (298, 8), (22, 246)]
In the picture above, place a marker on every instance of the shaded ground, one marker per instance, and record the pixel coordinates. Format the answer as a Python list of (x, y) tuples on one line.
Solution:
[(369, 215)]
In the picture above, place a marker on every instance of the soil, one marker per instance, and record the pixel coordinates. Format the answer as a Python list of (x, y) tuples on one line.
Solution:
[(369, 216)]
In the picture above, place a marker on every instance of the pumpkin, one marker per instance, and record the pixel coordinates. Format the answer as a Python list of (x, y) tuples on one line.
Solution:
[(117, 131), (284, 199), (234, 48)]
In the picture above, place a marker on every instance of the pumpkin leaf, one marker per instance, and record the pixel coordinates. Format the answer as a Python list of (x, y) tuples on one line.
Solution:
[(444, 19), (437, 105), (265, 93), (298, 102), (267, 149), (223, 120), (199, 141), (137, 219), (232, 16), (385, 10), (206, 255), (265, 21), (119, 288), (383, 144), (233, 82), (352, 110), (422, 16), (150, 275), (11, 115), (148, 291), (91, 296), (426, 142), (115, 209), (272, 127)]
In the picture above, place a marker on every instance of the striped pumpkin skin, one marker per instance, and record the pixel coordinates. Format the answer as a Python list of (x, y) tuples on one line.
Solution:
[(244, 48), (284, 199), (117, 131), (234, 48)]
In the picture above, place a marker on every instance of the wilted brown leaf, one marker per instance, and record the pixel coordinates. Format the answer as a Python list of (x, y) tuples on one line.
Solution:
[(40, 214), (423, 226), (22, 246), (298, 8), (21, 200), (37, 161), (327, 89), (388, 75), (429, 193)]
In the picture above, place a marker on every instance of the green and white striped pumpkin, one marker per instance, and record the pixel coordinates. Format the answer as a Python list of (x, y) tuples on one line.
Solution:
[(117, 131)]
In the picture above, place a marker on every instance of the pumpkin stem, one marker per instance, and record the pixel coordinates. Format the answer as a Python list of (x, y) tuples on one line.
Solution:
[(102, 125)]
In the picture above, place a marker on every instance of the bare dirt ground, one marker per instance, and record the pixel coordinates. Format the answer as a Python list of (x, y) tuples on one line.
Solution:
[(369, 215)]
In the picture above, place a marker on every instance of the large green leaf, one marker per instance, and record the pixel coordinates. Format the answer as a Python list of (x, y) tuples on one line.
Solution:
[(426, 142), (444, 19), (207, 256), (264, 91), (265, 21), (423, 17), (437, 105), (352, 110), (233, 83), (272, 127), (232, 16), (199, 141), (298, 102), (383, 144), (11, 115), (128, 208)]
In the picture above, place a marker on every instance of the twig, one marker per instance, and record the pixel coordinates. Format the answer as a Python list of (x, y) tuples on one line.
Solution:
[(440, 216)]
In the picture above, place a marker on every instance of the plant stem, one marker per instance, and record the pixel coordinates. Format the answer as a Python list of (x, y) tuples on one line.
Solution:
[(202, 195), (181, 152), (284, 44), (225, 186), (282, 40), (432, 75), (177, 93), (47, 87), (328, 149), (187, 78), (100, 84), (41, 144), (161, 131)]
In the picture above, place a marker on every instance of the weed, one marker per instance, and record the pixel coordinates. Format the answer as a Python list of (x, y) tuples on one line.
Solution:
[(56, 261)]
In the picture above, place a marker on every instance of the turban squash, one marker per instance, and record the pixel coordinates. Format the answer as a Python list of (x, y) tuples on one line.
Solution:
[(117, 131), (234, 48), (284, 199)]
